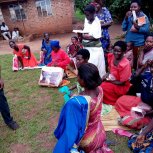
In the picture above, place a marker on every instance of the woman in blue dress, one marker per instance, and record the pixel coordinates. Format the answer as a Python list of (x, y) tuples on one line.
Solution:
[(45, 54), (105, 18)]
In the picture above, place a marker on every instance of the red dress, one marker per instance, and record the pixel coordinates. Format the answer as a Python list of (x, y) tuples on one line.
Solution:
[(32, 62), (122, 73), (60, 59)]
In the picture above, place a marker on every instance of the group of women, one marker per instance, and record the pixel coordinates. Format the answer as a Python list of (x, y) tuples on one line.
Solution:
[(80, 128)]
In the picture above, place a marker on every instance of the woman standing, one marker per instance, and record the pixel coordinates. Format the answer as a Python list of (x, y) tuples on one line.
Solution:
[(85, 119), (135, 31), (116, 81), (105, 18), (91, 39), (24, 55)]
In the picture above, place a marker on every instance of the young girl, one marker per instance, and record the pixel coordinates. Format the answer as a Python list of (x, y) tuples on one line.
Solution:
[(80, 119), (129, 53)]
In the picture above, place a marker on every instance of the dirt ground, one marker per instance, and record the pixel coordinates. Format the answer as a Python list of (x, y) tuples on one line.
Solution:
[(115, 30)]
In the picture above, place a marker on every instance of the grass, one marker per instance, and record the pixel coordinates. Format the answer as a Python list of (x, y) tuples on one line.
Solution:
[(36, 109)]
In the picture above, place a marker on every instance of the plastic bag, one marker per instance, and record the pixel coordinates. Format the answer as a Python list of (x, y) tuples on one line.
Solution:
[(15, 65), (51, 76), (140, 111)]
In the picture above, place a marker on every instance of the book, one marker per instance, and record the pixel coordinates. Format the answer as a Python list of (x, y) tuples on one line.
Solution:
[(141, 21), (79, 31)]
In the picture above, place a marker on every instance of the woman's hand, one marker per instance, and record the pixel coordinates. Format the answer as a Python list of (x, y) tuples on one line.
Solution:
[(105, 77), (129, 13), (140, 140)]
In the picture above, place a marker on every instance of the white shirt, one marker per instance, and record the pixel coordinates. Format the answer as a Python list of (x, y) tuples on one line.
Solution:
[(94, 28), (4, 28), (15, 34)]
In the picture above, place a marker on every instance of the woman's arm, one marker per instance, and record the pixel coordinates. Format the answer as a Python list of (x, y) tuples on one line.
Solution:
[(103, 25), (125, 21), (116, 82), (142, 69), (28, 49)]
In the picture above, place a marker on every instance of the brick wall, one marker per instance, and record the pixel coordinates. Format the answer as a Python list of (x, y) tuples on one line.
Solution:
[(59, 22)]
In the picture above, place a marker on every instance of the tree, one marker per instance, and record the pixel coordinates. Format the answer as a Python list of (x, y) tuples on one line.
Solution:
[(118, 8), (81, 4)]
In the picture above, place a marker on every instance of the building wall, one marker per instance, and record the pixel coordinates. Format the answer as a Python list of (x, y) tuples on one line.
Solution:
[(59, 22)]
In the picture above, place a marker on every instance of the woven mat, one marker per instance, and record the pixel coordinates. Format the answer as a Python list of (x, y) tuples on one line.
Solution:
[(110, 121)]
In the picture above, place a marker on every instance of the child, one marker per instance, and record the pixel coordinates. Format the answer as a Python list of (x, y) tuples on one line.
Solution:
[(74, 47), (16, 35), (59, 56), (129, 53)]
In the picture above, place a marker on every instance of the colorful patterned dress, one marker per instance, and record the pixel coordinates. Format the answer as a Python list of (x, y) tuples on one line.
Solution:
[(105, 17)]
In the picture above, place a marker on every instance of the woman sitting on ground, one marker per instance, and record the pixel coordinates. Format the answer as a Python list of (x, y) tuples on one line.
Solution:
[(74, 47), (85, 119), (147, 53), (59, 56), (82, 57), (142, 84), (16, 35), (24, 54), (116, 81), (46, 49)]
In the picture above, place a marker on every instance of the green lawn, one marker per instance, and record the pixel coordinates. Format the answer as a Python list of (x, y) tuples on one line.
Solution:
[(36, 109)]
